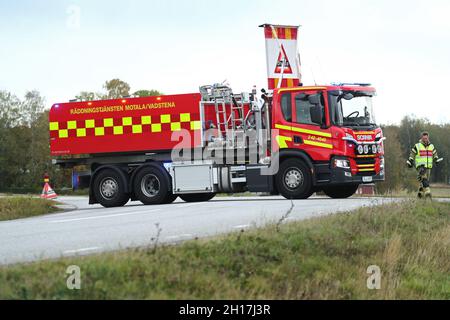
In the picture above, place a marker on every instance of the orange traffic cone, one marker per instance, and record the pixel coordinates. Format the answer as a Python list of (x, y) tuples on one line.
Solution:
[(48, 192)]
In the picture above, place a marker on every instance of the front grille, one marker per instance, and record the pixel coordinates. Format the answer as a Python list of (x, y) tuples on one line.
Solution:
[(363, 161), (366, 166), (366, 174)]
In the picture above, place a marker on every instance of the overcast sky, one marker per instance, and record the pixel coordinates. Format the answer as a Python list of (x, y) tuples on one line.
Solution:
[(63, 47)]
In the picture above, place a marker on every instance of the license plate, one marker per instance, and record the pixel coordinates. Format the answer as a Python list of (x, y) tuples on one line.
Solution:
[(367, 179)]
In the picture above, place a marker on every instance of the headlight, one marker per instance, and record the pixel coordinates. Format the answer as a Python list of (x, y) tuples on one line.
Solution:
[(360, 149), (380, 149), (378, 136), (382, 163), (366, 149), (340, 163), (374, 148)]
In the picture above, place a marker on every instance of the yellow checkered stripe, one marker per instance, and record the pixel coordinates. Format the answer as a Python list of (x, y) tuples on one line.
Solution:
[(121, 126)]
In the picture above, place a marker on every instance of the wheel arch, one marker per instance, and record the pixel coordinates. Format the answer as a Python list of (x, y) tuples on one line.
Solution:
[(301, 155), (151, 164)]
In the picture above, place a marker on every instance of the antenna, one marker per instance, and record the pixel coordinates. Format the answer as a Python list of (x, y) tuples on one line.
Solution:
[(321, 69), (314, 77)]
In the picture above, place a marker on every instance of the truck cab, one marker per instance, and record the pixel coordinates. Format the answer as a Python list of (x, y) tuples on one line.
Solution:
[(332, 131)]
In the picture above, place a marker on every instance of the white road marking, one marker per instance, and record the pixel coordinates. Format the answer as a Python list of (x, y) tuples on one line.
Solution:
[(186, 235), (104, 216), (185, 205), (80, 250), (243, 226)]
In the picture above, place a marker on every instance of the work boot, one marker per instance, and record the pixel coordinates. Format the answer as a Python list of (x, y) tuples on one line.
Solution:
[(428, 193), (420, 193)]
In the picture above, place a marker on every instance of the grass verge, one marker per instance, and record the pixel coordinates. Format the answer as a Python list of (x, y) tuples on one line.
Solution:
[(322, 258), (23, 207), (437, 190)]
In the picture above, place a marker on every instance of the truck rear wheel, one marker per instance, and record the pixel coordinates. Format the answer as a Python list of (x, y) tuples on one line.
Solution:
[(151, 186), (197, 197), (294, 180), (341, 192), (109, 189)]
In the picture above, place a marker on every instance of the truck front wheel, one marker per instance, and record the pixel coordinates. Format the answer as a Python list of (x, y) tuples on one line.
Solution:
[(151, 186), (294, 180), (341, 192), (109, 189), (197, 197)]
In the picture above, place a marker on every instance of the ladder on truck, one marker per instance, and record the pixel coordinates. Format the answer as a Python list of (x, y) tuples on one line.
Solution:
[(230, 113)]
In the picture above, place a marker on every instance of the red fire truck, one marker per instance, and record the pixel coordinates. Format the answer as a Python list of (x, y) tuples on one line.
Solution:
[(292, 140)]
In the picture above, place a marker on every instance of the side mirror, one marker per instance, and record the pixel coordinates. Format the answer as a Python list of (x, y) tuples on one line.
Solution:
[(301, 96), (336, 93), (314, 99), (316, 114), (348, 96)]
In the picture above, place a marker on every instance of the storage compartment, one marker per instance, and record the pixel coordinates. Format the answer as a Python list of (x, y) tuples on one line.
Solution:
[(192, 178)]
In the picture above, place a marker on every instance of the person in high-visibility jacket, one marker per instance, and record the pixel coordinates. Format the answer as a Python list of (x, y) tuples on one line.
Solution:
[(423, 155)]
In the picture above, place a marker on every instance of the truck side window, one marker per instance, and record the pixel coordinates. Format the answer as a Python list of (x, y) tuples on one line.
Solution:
[(286, 106), (302, 110)]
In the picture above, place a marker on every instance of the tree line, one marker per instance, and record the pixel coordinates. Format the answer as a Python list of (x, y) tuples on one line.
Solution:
[(24, 137), (400, 139), (25, 153)]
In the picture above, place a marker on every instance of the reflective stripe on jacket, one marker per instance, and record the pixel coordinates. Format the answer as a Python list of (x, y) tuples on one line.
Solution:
[(424, 156)]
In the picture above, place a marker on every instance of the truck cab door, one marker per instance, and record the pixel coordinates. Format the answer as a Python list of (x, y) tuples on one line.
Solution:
[(301, 123), (309, 125)]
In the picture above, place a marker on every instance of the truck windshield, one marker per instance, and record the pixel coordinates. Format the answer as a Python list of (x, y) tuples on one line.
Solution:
[(352, 109)]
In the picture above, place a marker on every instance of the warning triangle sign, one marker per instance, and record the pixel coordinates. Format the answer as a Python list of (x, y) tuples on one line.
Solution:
[(283, 59), (48, 192)]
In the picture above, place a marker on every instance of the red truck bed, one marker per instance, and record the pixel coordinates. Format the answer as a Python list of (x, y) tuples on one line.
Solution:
[(124, 125)]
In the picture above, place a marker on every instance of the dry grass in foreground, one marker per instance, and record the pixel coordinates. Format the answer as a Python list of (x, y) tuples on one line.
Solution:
[(18, 207), (323, 258)]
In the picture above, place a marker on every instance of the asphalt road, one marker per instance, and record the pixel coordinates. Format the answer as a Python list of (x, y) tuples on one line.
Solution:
[(92, 229)]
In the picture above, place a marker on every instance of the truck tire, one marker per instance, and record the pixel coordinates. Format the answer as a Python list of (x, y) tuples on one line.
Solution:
[(197, 197), (109, 189), (294, 180), (341, 192), (151, 186)]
